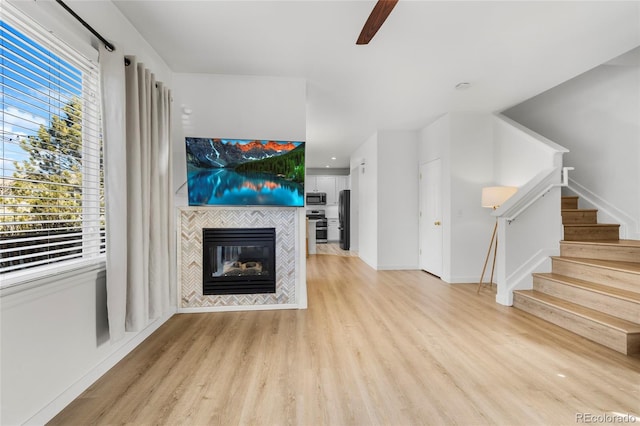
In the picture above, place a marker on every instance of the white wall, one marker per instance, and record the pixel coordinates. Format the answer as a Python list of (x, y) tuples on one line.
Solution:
[(520, 154), (387, 191), (471, 158), (227, 106), (526, 245), (463, 141), (354, 218), (367, 193), (397, 200), (433, 140), (597, 117), (54, 337)]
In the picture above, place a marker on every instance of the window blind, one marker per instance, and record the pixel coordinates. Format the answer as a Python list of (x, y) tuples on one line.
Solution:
[(51, 181)]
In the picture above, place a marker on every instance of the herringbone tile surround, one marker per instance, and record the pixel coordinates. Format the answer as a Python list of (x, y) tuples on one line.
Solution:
[(191, 222)]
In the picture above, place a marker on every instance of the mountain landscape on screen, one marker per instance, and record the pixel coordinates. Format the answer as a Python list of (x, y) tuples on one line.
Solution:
[(245, 172)]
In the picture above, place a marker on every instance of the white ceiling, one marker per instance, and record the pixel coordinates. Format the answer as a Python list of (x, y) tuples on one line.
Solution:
[(406, 77)]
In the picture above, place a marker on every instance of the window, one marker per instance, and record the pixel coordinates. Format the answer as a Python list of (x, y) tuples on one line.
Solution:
[(51, 174)]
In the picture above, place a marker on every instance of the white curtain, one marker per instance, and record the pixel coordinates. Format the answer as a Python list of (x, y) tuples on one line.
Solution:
[(115, 175), (137, 130)]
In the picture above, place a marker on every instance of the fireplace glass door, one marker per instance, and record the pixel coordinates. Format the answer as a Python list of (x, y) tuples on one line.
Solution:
[(238, 260)]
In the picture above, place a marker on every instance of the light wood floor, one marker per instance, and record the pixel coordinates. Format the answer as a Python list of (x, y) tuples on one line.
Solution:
[(333, 249), (374, 348)]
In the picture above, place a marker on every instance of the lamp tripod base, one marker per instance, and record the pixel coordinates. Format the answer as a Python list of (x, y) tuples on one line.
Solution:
[(494, 238)]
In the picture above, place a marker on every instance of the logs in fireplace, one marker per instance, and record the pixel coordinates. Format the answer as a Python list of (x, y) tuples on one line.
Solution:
[(238, 260)]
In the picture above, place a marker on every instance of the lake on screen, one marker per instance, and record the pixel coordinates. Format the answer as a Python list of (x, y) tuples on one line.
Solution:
[(227, 187)]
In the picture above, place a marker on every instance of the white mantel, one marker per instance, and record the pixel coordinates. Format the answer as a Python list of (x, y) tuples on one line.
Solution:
[(291, 289)]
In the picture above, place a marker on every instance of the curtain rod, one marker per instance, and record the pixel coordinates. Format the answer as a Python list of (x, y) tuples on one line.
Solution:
[(110, 47)]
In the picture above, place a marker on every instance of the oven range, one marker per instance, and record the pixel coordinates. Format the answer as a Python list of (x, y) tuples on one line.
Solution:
[(321, 224)]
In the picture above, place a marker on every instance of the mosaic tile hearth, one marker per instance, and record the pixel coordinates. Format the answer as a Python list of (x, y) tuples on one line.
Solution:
[(192, 221)]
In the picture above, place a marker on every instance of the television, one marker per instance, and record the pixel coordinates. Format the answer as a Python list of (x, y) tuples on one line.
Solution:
[(245, 172)]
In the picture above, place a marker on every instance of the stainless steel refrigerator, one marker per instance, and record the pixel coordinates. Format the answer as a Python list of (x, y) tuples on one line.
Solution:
[(343, 218)]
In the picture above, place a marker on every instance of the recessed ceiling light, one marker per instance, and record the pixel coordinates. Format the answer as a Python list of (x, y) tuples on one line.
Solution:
[(463, 85), (327, 166), (334, 158)]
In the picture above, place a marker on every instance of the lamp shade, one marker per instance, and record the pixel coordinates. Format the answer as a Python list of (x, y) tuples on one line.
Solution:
[(494, 196)]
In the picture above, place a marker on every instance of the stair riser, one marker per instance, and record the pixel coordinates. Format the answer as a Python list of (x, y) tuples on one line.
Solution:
[(579, 217), (609, 337), (611, 277), (569, 203), (593, 251), (591, 233), (621, 308)]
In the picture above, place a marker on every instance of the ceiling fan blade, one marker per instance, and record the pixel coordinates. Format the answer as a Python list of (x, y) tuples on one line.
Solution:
[(379, 14)]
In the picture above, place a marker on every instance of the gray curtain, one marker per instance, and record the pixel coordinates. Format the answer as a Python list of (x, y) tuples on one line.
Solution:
[(137, 129)]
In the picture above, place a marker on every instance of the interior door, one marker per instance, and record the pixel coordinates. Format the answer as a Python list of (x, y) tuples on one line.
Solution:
[(430, 224)]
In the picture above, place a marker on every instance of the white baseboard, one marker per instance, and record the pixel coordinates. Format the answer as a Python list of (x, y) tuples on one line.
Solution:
[(238, 308), (367, 261), (122, 349), (397, 267), (468, 279)]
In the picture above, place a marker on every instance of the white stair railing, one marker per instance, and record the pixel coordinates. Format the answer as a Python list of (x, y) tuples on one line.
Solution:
[(531, 196)]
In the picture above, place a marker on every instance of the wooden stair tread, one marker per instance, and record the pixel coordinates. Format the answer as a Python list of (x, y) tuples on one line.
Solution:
[(598, 288), (619, 243), (579, 210), (624, 326), (631, 267)]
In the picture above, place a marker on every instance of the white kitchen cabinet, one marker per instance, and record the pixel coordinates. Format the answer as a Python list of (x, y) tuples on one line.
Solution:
[(342, 182), (333, 234), (327, 184), (311, 184)]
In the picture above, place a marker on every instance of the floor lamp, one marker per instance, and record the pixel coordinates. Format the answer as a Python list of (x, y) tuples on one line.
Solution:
[(493, 197)]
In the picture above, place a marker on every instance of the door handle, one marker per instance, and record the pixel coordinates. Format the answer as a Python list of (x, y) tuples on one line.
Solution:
[(437, 223)]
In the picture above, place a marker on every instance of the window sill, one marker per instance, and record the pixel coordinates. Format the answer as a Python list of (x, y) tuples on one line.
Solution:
[(16, 282)]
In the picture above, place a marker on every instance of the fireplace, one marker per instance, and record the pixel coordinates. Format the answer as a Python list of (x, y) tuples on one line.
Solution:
[(238, 260)]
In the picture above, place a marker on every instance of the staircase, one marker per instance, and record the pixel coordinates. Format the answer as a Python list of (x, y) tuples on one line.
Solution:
[(594, 287)]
